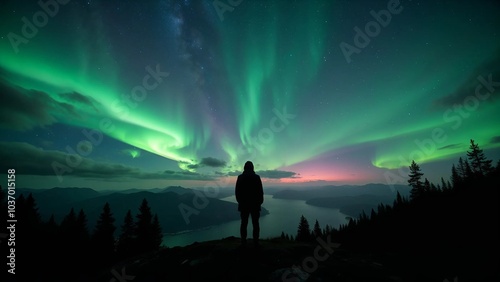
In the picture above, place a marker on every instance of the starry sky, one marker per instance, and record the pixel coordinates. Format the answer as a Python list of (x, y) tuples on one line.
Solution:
[(142, 94)]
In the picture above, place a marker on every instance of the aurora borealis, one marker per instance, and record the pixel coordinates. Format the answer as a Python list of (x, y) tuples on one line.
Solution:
[(128, 94)]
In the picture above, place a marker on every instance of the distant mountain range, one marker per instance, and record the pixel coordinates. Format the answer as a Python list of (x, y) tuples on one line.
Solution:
[(200, 212), (349, 199), (169, 203)]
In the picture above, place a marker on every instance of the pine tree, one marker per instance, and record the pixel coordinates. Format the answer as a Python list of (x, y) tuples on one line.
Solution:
[(414, 181), (51, 242), (317, 229), (449, 184), (461, 169), (327, 231), (456, 178), (103, 239), (68, 224), (126, 242), (399, 199), (427, 186), (479, 164), (28, 229), (468, 170), (444, 187), (381, 209), (69, 244), (144, 227), (157, 234), (51, 226), (82, 243), (20, 202), (303, 231), (81, 227), (31, 214), (373, 215), (29, 219)]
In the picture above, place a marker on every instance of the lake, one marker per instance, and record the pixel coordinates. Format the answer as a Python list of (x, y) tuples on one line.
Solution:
[(284, 216)]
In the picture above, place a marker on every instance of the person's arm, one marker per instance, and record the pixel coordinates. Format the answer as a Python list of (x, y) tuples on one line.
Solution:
[(237, 189), (261, 191)]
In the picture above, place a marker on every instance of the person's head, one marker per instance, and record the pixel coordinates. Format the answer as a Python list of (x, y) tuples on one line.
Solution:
[(248, 166)]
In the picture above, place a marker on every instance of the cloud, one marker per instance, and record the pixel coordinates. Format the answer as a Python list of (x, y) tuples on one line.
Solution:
[(80, 99), (212, 162), (233, 173), (451, 146), (29, 160), (468, 88), (23, 109), (182, 175), (495, 140), (271, 174), (277, 174)]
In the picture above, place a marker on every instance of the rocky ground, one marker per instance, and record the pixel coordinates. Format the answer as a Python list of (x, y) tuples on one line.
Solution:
[(273, 260)]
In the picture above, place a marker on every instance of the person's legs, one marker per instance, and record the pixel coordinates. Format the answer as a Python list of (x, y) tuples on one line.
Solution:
[(256, 227), (243, 227)]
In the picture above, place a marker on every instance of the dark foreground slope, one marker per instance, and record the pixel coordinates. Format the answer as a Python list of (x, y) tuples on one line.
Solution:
[(290, 261), (274, 260)]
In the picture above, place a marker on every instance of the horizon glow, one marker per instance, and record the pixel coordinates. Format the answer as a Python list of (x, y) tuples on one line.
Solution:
[(186, 94)]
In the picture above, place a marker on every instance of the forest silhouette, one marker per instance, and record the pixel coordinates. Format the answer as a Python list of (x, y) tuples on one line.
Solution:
[(449, 229)]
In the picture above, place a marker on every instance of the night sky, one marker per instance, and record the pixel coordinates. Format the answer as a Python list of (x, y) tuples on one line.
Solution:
[(123, 94)]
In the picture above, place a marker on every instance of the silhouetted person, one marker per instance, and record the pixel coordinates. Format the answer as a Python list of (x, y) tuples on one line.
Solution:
[(249, 195)]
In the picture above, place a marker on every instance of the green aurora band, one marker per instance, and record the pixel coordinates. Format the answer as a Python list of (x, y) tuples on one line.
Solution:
[(280, 62)]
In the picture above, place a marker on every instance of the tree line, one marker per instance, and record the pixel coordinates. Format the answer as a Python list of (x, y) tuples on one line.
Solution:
[(447, 229), (69, 249)]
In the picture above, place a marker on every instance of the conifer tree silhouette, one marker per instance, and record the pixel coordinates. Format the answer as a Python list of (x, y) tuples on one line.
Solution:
[(81, 242), (68, 242), (126, 242), (27, 232), (157, 237), (461, 169), (82, 227), (414, 181), (145, 229), (456, 178), (103, 239), (317, 229), (480, 165), (303, 231)]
